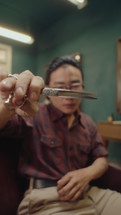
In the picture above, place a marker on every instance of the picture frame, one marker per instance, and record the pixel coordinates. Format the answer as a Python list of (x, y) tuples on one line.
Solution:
[(5, 57)]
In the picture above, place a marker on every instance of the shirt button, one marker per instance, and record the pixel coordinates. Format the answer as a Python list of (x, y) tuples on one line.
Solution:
[(52, 142)]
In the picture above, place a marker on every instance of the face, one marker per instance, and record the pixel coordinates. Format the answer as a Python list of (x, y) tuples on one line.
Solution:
[(66, 77)]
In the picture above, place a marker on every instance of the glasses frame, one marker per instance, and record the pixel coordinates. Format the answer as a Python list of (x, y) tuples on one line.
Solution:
[(71, 86)]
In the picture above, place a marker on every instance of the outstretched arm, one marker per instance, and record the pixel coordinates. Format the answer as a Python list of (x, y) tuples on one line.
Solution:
[(25, 84)]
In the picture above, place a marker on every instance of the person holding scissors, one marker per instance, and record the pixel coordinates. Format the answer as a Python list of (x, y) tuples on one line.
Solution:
[(62, 151)]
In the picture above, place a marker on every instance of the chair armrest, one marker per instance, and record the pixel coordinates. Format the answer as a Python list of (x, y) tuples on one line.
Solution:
[(11, 185), (111, 179)]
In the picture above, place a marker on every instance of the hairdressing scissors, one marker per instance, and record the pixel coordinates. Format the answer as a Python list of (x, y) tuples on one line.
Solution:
[(64, 93)]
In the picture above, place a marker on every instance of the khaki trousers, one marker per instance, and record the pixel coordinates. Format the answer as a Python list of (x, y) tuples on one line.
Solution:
[(45, 201)]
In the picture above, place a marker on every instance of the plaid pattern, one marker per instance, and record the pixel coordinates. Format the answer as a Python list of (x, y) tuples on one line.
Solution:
[(49, 149)]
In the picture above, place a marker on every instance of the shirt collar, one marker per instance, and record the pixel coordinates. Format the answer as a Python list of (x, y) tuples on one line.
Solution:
[(80, 115), (57, 114)]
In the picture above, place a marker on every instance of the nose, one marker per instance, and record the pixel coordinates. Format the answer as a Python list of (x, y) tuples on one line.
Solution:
[(68, 87)]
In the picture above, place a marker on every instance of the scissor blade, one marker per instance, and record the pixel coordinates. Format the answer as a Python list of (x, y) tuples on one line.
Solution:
[(68, 93)]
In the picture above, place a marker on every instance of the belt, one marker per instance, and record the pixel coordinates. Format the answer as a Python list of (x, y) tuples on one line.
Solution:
[(36, 183)]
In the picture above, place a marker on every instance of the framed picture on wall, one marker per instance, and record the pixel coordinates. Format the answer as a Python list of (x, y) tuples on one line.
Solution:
[(5, 57)]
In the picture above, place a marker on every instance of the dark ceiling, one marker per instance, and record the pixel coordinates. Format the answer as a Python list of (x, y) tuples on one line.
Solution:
[(33, 16), (39, 16)]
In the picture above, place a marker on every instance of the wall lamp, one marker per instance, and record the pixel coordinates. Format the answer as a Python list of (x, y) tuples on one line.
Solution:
[(24, 38), (79, 3)]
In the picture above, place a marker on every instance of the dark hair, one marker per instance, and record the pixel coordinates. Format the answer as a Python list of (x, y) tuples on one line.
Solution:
[(59, 61)]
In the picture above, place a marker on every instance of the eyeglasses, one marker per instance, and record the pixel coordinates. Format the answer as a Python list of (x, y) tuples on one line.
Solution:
[(72, 86)]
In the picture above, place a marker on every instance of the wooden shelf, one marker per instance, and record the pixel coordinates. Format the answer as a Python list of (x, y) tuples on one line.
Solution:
[(110, 130)]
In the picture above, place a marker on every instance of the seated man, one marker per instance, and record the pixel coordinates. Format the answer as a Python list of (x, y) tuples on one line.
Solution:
[(62, 150)]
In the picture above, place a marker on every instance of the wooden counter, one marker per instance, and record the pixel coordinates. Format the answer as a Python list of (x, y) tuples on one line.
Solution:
[(110, 130)]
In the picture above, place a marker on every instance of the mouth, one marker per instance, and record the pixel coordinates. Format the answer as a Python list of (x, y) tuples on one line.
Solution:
[(69, 105)]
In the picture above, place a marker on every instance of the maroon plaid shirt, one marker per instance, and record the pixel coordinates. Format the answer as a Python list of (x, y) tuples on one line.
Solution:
[(49, 149)]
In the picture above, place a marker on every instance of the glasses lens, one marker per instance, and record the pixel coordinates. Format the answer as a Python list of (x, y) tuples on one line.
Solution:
[(72, 86)]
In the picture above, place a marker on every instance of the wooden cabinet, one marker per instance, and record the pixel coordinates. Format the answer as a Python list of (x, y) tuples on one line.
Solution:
[(110, 131)]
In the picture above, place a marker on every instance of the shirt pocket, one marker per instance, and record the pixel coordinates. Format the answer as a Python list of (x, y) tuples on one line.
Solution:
[(84, 149), (52, 150), (51, 142)]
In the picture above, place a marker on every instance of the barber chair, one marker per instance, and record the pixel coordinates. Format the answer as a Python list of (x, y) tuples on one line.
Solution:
[(12, 186)]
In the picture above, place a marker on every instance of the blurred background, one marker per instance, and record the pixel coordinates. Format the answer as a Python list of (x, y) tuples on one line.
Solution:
[(61, 28)]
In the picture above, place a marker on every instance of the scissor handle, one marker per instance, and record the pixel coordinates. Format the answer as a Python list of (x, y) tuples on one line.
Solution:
[(7, 102)]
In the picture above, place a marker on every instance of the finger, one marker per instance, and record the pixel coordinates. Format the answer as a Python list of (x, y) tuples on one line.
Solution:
[(30, 108), (3, 74), (7, 84), (65, 188), (78, 193), (63, 181), (76, 196), (22, 86), (73, 194), (36, 85), (67, 194), (21, 112), (4, 95)]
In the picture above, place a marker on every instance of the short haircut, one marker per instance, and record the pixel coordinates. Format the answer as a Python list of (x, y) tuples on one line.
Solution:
[(58, 62)]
